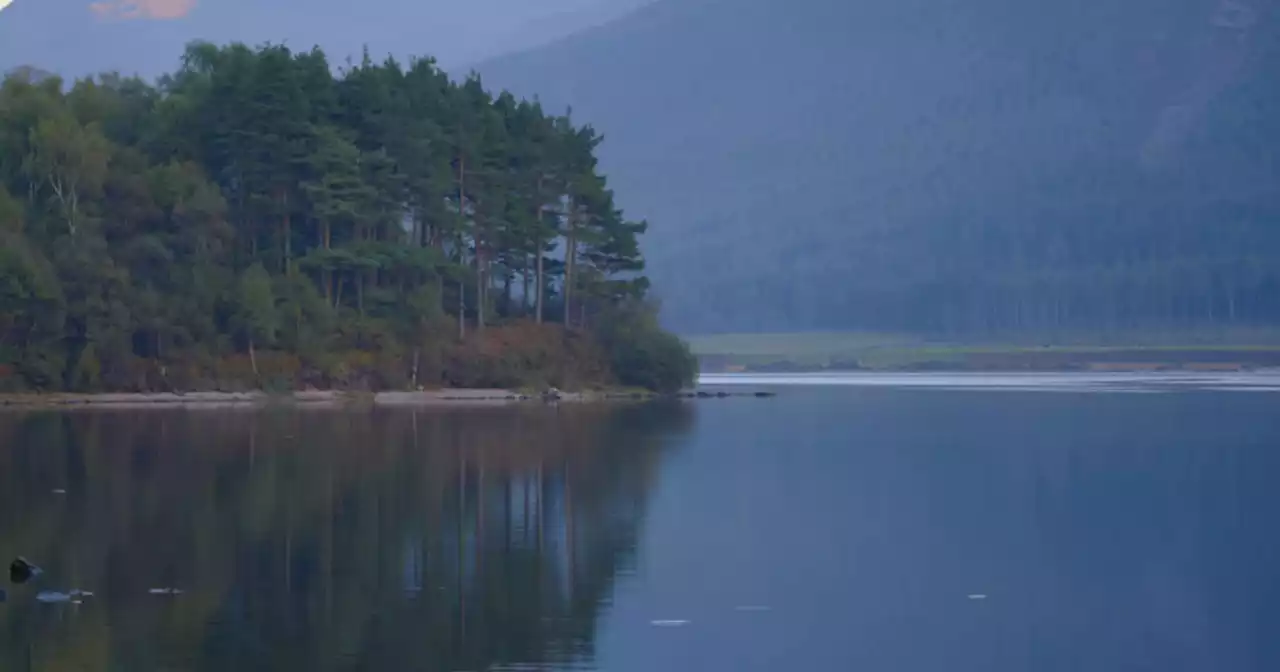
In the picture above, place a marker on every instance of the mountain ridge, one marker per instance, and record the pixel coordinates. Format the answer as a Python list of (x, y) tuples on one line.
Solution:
[(877, 132), (77, 37)]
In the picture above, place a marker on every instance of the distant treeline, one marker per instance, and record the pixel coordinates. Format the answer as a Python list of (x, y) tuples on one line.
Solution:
[(253, 219)]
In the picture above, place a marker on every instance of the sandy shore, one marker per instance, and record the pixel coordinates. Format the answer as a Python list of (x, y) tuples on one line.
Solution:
[(327, 398), (307, 398)]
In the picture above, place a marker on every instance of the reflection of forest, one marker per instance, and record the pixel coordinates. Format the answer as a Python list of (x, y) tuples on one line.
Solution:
[(322, 540)]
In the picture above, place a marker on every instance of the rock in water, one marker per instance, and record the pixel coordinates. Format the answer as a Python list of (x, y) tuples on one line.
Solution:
[(22, 571)]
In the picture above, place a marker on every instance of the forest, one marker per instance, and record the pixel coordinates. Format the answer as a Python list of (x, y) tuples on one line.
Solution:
[(985, 171), (261, 219)]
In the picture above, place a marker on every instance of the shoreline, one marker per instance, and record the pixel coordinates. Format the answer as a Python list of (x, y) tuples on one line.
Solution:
[(1001, 360), (334, 398), (848, 352), (310, 398), (952, 367)]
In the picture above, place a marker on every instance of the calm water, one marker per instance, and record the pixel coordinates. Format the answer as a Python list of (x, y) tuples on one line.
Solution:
[(835, 527)]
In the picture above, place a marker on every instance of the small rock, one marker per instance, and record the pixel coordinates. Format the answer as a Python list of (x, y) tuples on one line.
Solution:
[(165, 591), (977, 596), (59, 491), (22, 571), (669, 623)]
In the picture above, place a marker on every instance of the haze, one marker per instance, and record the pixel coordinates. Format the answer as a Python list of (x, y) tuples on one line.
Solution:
[(456, 33)]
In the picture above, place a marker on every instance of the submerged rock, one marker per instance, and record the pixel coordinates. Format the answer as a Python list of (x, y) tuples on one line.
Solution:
[(52, 597), (75, 596)]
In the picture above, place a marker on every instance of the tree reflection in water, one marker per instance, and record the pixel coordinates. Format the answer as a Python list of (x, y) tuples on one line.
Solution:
[(450, 539)]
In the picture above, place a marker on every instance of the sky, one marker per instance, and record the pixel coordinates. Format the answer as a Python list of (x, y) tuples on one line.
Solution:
[(458, 33)]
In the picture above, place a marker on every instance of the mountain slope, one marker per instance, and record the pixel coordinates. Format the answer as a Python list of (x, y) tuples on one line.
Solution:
[(848, 163), (78, 37)]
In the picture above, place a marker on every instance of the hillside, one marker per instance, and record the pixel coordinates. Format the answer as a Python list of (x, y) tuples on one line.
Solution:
[(943, 166)]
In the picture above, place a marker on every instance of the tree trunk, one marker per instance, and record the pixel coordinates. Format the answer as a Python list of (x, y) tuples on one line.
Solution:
[(481, 301), (462, 222), (537, 249), (286, 232), (414, 376), (524, 288), (538, 280), (506, 292), (570, 253), (253, 359), (462, 310), (360, 293), (326, 276)]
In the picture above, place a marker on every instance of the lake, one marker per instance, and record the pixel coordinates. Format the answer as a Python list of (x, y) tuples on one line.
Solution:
[(925, 522)]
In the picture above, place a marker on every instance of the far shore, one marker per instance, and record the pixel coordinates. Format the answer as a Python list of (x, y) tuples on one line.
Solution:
[(328, 398), (809, 353), (931, 366)]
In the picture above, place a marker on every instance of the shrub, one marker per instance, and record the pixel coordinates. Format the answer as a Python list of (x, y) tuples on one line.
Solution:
[(641, 353)]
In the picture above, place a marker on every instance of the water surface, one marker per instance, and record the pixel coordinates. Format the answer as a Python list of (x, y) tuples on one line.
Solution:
[(883, 527)]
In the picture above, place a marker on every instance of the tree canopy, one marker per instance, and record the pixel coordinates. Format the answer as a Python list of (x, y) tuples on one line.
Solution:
[(373, 224)]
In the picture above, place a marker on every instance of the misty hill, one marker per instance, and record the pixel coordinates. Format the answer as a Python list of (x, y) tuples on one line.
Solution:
[(955, 166), (78, 37)]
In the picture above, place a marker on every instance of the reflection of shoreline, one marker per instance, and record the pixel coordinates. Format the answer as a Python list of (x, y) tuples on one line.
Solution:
[(466, 537), (322, 398)]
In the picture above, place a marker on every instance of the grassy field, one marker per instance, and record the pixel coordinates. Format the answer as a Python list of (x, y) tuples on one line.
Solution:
[(896, 351), (814, 344)]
